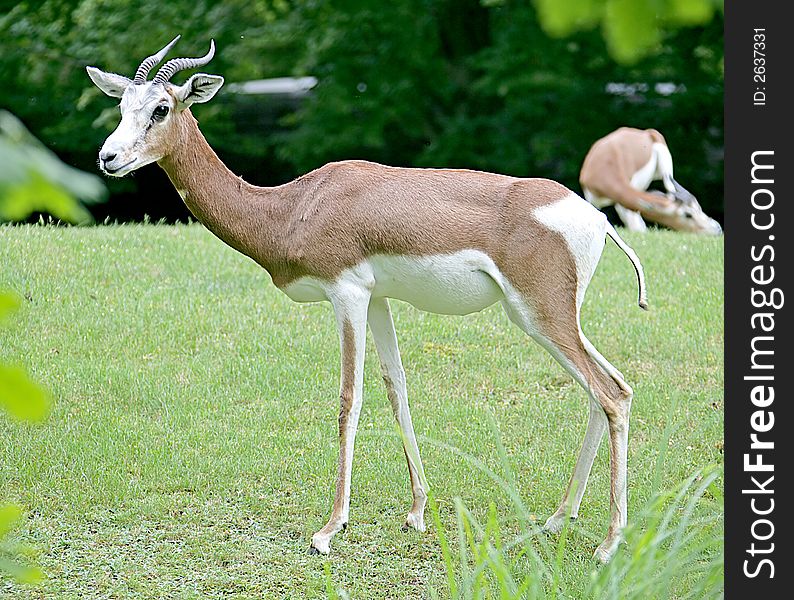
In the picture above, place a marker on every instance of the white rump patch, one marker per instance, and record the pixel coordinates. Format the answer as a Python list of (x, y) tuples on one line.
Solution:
[(660, 166), (584, 228)]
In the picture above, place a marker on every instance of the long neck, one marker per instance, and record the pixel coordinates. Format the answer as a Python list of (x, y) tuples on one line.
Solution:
[(228, 206)]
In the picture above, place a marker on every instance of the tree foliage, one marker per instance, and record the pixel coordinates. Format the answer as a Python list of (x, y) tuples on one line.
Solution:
[(631, 29), (513, 86), (468, 85)]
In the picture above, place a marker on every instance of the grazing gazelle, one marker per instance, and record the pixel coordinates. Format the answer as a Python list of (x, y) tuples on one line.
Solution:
[(355, 233), (618, 170)]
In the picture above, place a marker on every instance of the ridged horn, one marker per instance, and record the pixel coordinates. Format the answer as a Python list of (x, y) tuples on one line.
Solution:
[(150, 61), (168, 70)]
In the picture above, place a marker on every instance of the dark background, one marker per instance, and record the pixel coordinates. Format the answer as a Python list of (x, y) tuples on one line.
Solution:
[(456, 83)]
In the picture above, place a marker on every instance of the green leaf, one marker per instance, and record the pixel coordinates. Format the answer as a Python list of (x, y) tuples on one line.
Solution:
[(9, 514), (560, 19), (21, 396), (21, 573), (631, 29), (691, 12), (34, 179), (37, 193), (9, 302)]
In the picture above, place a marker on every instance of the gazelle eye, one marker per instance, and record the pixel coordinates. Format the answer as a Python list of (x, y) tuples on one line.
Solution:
[(160, 112)]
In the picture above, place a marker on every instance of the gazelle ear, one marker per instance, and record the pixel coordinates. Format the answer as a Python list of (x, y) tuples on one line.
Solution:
[(199, 88), (110, 83)]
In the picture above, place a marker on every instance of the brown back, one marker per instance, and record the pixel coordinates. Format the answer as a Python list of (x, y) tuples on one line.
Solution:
[(621, 153)]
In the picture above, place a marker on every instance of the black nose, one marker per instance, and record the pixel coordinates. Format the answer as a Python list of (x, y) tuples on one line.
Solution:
[(106, 156)]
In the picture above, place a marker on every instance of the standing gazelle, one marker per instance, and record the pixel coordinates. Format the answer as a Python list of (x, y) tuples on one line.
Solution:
[(619, 168), (355, 233)]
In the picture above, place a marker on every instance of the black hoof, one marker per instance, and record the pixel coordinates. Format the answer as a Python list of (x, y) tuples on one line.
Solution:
[(313, 551), (344, 526)]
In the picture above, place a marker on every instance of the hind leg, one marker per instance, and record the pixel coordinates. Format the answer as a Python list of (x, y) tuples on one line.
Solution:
[(382, 327), (560, 334), (569, 507)]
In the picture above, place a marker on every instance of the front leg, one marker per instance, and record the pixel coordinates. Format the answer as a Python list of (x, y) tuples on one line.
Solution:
[(350, 305), (631, 218)]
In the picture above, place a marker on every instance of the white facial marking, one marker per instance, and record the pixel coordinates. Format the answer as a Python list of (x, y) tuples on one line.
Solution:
[(137, 139)]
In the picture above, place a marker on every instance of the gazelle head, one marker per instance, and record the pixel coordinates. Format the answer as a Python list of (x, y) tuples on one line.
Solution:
[(150, 110), (685, 213)]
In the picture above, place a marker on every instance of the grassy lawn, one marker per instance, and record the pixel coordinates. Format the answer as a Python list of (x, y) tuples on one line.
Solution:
[(192, 447)]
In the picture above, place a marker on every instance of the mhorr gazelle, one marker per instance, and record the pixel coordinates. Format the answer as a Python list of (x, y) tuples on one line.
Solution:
[(355, 233), (619, 168)]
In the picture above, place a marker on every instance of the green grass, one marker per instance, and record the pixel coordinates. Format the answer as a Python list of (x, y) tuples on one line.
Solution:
[(192, 447)]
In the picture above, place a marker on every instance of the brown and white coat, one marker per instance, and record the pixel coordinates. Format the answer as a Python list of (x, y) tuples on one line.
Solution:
[(356, 233), (618, 170)]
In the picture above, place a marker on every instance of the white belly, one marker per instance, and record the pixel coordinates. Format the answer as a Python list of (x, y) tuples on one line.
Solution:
[(454, 284)]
